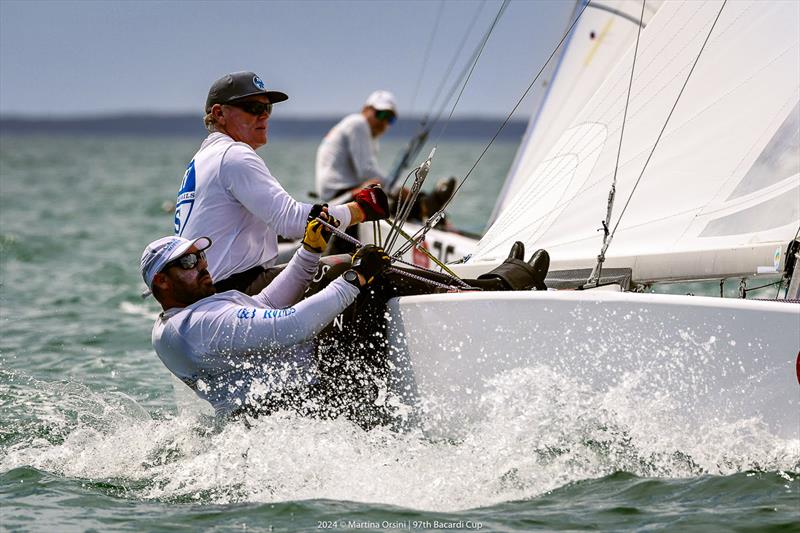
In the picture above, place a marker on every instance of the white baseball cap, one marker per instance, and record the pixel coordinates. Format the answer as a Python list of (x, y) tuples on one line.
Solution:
[(382, 101), (160, 252)]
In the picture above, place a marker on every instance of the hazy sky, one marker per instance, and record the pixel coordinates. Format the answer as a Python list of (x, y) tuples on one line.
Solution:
[(77, 57)]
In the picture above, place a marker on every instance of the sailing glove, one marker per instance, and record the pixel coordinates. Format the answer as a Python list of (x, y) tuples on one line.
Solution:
[(370, 261), (317, 235), (373, 202), (316, 211)]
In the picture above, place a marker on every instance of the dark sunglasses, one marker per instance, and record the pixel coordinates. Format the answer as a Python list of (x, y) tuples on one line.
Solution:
[(252, 107), (186, 262), (386, 115)]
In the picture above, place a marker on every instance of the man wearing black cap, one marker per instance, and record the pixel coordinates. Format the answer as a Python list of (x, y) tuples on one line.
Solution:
[(229, 194)]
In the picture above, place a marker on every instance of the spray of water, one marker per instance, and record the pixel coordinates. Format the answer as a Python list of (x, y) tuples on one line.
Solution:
[(541, 431)]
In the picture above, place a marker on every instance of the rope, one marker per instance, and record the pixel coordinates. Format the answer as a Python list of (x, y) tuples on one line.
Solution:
[(452, 276), (598, 269), (421, 173), (418, 246), (352, 240), (426, 280)]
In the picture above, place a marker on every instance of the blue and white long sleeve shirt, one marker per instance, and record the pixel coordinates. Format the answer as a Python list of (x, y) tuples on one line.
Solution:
[(233, 349)]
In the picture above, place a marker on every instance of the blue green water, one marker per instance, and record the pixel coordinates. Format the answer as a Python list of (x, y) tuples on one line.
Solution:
[(90, 440)]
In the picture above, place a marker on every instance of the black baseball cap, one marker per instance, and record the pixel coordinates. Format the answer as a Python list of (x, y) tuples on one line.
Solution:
[(238, 85)]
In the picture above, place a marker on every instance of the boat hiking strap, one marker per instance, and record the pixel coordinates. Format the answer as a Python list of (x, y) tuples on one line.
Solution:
[(352, 240)]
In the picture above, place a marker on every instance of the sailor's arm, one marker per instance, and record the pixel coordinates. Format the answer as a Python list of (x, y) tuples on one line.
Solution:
[(253, 330), (256, 329), (288, 287)]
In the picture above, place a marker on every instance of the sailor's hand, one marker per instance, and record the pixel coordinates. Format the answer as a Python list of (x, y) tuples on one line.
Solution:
[(373, 203), (318, 211), (370, 261), (317, 235)]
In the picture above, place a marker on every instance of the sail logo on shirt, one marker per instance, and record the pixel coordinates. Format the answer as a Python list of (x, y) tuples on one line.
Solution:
[(185, 201)]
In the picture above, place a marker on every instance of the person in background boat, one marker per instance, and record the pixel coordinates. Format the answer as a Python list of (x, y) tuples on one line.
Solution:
[(229, 194), (347, 157), (248, 354), (347, 161)]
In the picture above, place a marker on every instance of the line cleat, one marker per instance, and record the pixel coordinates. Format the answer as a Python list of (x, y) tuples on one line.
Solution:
[(518, 275)]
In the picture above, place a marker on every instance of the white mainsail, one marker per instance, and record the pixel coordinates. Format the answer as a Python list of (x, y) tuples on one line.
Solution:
[(605, 31), (721, 194)]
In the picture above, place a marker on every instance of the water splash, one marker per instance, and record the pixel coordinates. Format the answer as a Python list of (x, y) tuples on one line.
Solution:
[(542, 432)]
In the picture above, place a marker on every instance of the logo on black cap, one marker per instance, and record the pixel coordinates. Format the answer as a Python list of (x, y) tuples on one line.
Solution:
[(258, 83)]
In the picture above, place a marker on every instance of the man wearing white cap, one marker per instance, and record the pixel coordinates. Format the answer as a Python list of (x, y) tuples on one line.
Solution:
[(229, 194), (347, 157), (240, 353)]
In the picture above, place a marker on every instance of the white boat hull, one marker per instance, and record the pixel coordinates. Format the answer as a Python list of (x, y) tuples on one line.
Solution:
[(714, 361)]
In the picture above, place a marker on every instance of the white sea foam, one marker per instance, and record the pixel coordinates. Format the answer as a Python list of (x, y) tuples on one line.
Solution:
[(541, 432), (138, 309)]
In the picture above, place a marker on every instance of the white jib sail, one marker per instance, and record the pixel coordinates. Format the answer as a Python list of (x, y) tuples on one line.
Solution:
[(721, 194)]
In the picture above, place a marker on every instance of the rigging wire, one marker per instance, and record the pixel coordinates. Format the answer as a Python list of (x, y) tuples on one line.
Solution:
[(417, 142), (427, 52), (666, 122), (421, 175), (598, 269), (519, 102), (474, 64), (420, 234), (452, 64)]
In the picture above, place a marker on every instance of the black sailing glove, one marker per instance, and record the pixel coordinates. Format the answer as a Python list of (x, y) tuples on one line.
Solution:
[(370, 261), (316, 211)]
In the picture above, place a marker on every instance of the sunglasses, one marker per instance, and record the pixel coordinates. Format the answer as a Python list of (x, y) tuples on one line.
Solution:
[(186, 262), (253, 107), (386, 115)]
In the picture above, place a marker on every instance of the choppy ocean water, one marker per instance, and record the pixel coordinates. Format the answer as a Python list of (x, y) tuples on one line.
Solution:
[(89, 437)]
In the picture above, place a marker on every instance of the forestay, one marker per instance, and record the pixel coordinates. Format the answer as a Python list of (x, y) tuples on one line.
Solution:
[(721, 194)]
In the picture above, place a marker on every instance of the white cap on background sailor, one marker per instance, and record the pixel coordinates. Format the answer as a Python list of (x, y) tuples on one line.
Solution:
[(382, 101)]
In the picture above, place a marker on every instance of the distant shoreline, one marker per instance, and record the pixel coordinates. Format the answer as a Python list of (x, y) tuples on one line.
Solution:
[(192, 125)]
